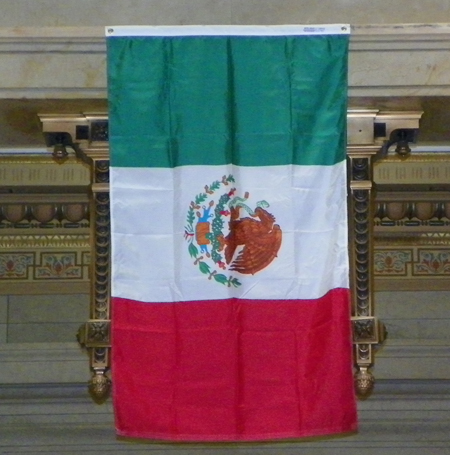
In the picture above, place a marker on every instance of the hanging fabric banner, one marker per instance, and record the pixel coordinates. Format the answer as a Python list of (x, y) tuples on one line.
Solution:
[(230, 279)]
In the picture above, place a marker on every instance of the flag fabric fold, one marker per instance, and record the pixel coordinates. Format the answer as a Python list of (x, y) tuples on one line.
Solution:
[(230, 293)]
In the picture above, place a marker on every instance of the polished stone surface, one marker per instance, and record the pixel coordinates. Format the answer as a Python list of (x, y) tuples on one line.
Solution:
[(43, 318), (39, 59), (402, 417), (141, 12)]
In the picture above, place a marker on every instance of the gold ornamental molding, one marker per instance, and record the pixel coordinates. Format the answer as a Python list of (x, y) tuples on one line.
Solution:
[(44, 224), (29, 170), (420, 169), (439, 239), (55, 241), (412, 220)]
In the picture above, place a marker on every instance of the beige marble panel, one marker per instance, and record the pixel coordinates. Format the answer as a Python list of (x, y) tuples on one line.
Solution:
[(3, 317), (420, 329), (44, 172), (3, 333), (54, 73), (407, 305), (45, 332), (3, 309), (44, 412), (114, 12), (69, 62), (414, 315), (403, 72), (403, 422), (339, 11), (413, 359), (26, 309), (46, 318), (27, 363)]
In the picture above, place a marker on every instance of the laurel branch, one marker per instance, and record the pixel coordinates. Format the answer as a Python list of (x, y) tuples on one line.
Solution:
[(217, 226)]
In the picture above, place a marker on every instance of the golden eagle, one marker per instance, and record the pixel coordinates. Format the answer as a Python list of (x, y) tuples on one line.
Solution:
[(259, 236)]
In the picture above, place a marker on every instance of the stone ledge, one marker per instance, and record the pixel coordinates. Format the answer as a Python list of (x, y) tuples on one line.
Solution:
[(400, 37), (69, 62), (359, 32), (413, 359), (387, 389), (31, 363), (67, 363), (401, 417)]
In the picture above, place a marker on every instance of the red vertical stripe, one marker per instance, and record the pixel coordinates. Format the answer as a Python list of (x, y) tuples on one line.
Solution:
[(233, 369)]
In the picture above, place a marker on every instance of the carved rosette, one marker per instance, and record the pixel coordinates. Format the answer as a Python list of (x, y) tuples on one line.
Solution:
[(365, 326)]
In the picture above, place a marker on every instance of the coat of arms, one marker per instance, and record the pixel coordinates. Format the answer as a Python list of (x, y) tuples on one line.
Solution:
[(226, 236)]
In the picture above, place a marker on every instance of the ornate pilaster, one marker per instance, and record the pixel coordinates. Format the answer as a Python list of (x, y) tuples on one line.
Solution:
[(98, 328), (87, 135), (370, 134), (366, 327)]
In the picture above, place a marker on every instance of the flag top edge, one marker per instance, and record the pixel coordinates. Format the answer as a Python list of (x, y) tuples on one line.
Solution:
[(227, 30)]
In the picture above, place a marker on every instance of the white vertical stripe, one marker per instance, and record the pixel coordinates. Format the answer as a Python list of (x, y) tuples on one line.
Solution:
[(150, 254)]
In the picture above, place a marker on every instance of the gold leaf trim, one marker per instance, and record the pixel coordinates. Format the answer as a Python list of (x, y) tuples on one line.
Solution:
[(44, 241)]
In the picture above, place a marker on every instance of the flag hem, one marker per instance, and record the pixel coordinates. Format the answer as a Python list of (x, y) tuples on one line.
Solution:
[(227, 30), (338, 430)]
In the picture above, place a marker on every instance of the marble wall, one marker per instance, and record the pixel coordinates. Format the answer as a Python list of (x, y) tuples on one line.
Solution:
[(36, 13), (52, 58), (43, 318)]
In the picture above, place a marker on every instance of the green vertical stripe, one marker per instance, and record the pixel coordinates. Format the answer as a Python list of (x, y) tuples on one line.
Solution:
[(215, 100)]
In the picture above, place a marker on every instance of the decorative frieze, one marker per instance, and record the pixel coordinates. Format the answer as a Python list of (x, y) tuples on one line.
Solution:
[(412, 221), (412, 262), (41, 241), (426, 169), (38, 171), (44, 224), (51, 215), (44, 265)]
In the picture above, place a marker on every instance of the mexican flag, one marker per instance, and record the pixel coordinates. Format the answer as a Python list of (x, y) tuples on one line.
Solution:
[(230, 280)]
